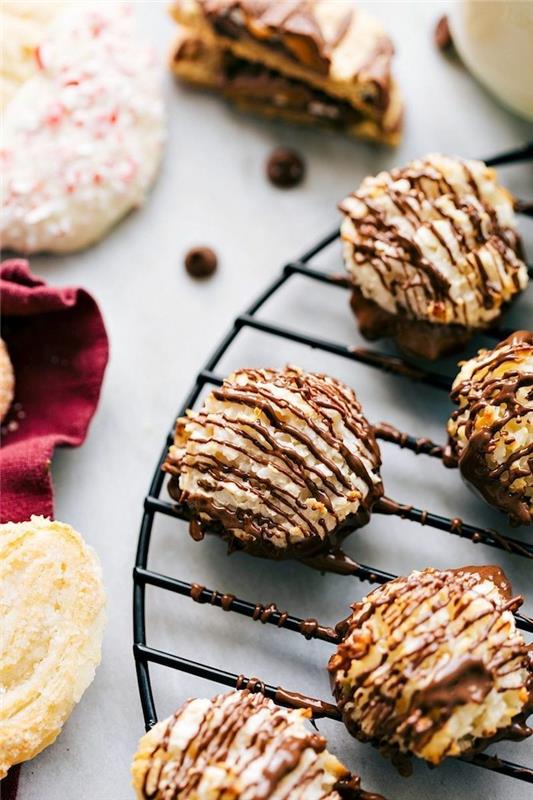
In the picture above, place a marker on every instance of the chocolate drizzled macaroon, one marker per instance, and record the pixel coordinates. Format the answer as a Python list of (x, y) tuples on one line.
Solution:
[(491, 433), (433, 252), (281, 463), (306, 61), (243, 746), (432, 665)]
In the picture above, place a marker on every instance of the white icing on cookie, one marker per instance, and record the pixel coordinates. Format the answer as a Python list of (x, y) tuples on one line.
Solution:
[(23, 24), (83, 137)]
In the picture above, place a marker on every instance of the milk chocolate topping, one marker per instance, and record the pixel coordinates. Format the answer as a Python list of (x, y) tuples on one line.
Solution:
[(294, 29)]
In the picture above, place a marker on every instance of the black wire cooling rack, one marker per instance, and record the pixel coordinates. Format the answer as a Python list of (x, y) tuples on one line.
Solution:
[(269, 614)]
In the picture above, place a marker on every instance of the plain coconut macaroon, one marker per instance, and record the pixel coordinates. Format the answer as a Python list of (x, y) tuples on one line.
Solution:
[(52, 609), (491, 431), (433, 665), (433, 253), (280, 463), (239, 745)]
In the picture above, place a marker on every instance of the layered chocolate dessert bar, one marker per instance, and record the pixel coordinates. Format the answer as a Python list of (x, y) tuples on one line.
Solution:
[(315, 62)]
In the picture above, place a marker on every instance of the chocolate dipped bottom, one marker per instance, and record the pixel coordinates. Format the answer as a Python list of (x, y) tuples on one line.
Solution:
[(491, 432), (239, 745), (433, 665), (433, 252), (280, 463)]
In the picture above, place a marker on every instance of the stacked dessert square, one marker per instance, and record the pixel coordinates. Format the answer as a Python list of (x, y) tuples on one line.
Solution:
[(311, 62)]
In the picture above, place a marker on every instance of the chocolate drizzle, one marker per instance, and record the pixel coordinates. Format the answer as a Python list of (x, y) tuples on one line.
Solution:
[(488, 434), (310, 628), (447, 645), (280, 463), (388, 433), (461, 681), (350, 789), (318, 708), (335, 561)]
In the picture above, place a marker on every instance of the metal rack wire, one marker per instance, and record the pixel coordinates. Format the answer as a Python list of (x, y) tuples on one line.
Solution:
[(153, 504)]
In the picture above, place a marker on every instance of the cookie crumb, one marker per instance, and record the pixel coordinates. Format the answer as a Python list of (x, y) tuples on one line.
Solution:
[(285, 168), (201, 262)]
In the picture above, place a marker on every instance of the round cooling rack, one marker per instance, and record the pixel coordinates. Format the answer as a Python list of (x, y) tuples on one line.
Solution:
[(270, 614)]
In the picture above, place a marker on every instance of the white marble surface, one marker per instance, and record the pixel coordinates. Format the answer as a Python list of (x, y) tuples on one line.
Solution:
[(162, 326)]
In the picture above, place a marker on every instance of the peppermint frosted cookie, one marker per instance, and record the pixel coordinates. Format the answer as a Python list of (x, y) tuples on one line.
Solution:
[(281, 463), (23, 24), (7, 380), (433, 665), (433, 252), (239, 745), (52, 612), (83, 136)]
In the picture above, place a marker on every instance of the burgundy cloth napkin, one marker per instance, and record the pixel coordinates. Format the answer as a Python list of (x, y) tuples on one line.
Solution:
[(9, 786), (59, 349)]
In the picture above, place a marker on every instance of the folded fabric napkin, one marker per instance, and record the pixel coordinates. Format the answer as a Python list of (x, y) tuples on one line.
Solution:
[(59, 349)]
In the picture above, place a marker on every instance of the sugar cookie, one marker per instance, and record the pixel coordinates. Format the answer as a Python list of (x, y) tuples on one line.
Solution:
[(83, 136)]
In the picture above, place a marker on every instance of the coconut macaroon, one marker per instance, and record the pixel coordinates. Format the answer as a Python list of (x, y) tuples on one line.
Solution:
[(432, 664), (433, 252), (52, 611), (281, 463), (491, 433), (239, 745)]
